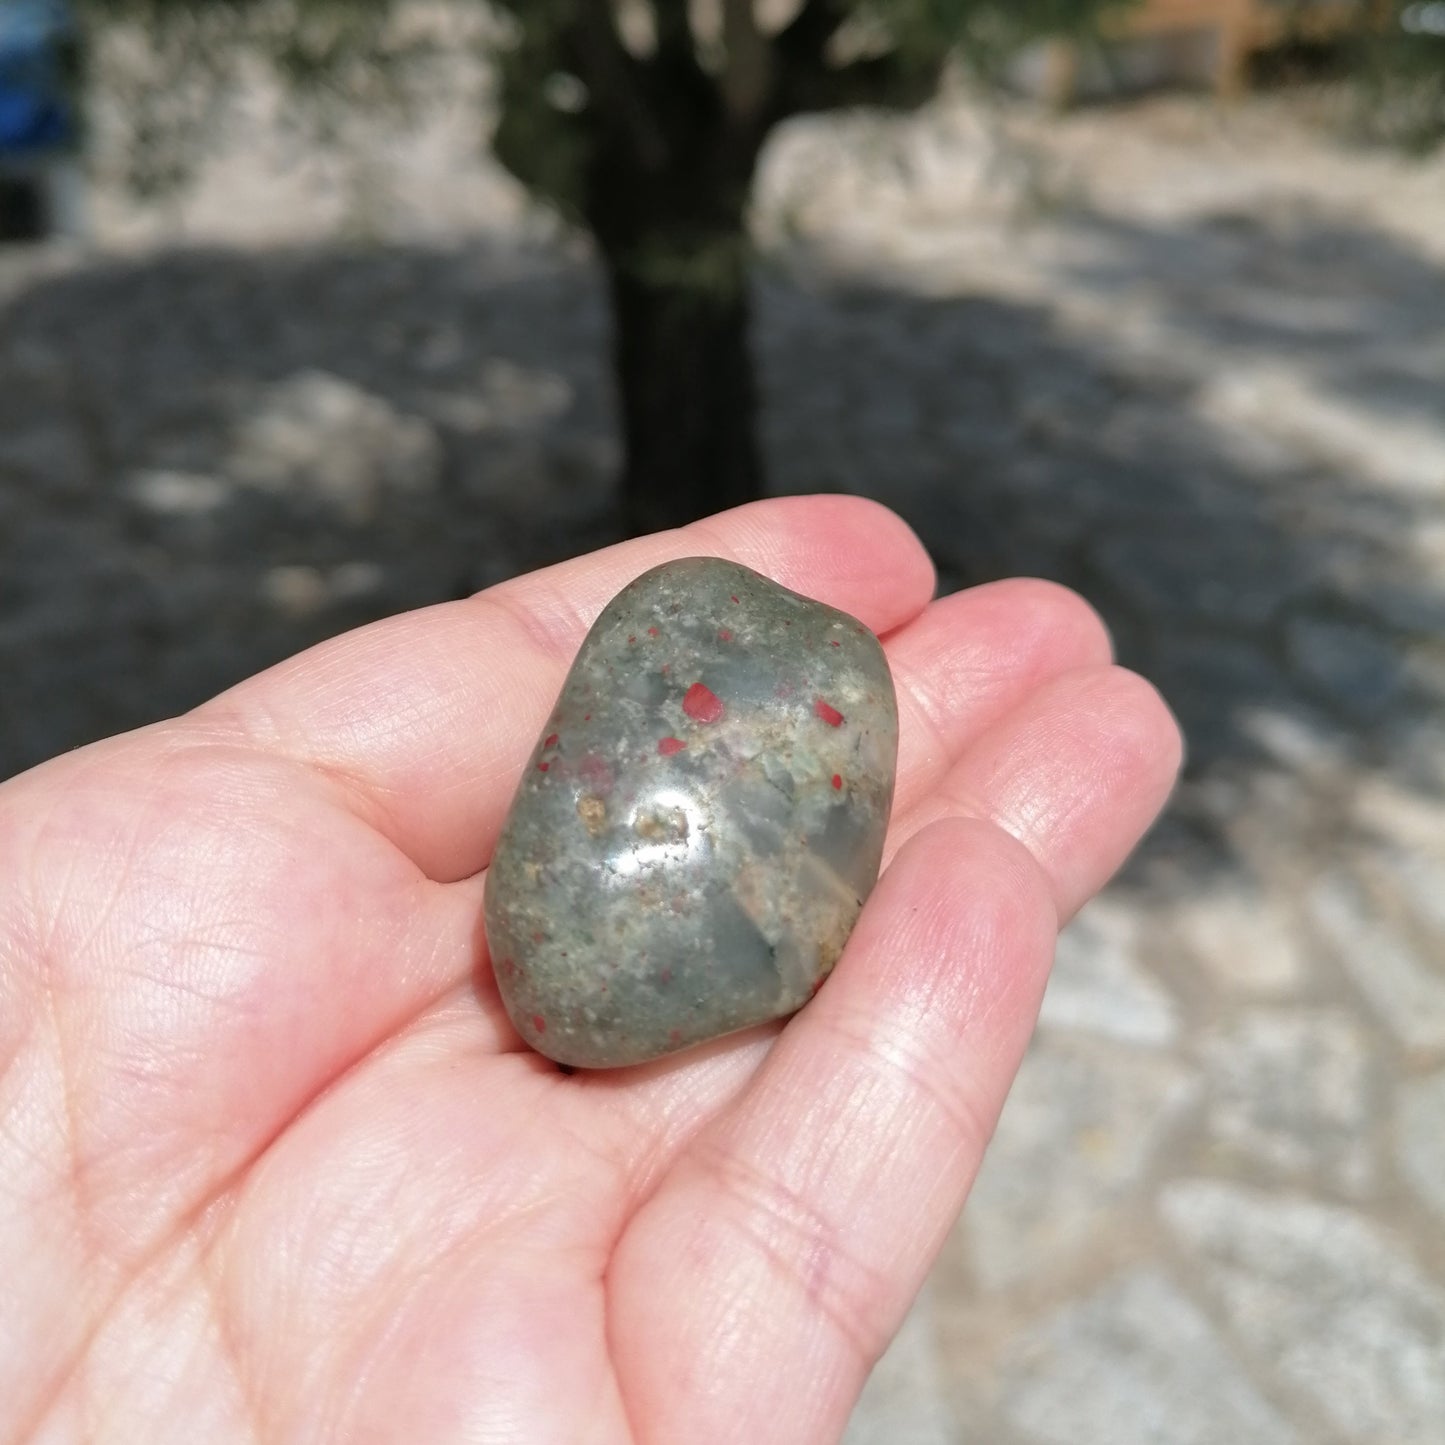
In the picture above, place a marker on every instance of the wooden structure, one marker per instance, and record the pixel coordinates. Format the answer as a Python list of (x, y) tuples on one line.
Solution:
[(1242, 26)]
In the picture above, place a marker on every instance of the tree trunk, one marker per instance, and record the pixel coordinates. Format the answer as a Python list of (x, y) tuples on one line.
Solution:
[(680, 312)]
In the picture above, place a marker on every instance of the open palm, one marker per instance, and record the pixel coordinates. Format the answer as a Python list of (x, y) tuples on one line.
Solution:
[(275, 1167)]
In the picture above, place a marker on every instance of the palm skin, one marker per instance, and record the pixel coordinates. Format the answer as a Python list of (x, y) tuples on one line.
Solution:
[(275, 1166)]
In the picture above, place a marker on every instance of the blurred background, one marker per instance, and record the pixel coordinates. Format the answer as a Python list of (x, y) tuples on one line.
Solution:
[(311, 311)]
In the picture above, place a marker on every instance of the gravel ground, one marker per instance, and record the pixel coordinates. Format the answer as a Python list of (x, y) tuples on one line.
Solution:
[(1188, 361)]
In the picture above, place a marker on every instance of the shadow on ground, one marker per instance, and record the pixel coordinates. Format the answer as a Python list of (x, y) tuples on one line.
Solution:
[(1252, 491), (211, 459)]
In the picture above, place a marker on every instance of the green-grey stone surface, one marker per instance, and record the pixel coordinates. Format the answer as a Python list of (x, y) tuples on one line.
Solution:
[(700, 822)]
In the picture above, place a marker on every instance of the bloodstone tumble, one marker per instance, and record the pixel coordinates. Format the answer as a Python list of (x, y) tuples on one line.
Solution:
[(701, 819)]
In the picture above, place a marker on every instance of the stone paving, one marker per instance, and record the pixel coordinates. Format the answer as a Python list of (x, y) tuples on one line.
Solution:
[(1186, 361)]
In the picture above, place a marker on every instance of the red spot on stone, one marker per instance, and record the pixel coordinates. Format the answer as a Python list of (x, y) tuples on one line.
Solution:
[(542, 767), (703, 705), (835, 643), (735, 599), (827, 712), (508, 968), (631, 639), (587, 717), (665, 976), (668, 746), (652, 632), (539, 1023), (724, 635), (837, 780), (551, 741)]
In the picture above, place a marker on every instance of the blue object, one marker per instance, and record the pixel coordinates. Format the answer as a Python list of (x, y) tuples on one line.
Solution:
[(37, 111)]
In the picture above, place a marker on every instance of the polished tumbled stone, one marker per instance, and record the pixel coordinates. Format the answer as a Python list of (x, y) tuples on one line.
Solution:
[(700, 822)]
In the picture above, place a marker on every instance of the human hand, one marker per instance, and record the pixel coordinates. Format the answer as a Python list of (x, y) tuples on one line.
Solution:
[(276, 1167)]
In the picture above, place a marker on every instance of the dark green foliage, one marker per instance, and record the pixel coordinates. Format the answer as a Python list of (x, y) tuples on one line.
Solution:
[(1403, 67)]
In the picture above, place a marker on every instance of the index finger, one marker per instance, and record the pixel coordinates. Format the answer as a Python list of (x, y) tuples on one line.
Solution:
[(424, 720)]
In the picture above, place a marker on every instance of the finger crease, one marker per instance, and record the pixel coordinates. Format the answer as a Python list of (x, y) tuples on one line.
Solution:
[(801, 1244)]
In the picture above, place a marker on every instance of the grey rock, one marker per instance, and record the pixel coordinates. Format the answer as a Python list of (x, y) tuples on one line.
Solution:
[(1098, 986), (1376, 443), (1406, 819), (1415, 878), (1326, 1299), (1223, 665), (1420, 1138), (1081, 1128), (520, 398), (1231, 575), (1355, 665), (1387, 967), (1291, 1092), (1425, 666), (1421, 754), (1136, 1363), (1299, 738), (1247, 941), (318, 436), (299, 590), (357, 578), (47, 456), (1200, 676), (1417, 607), (177, 493)]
